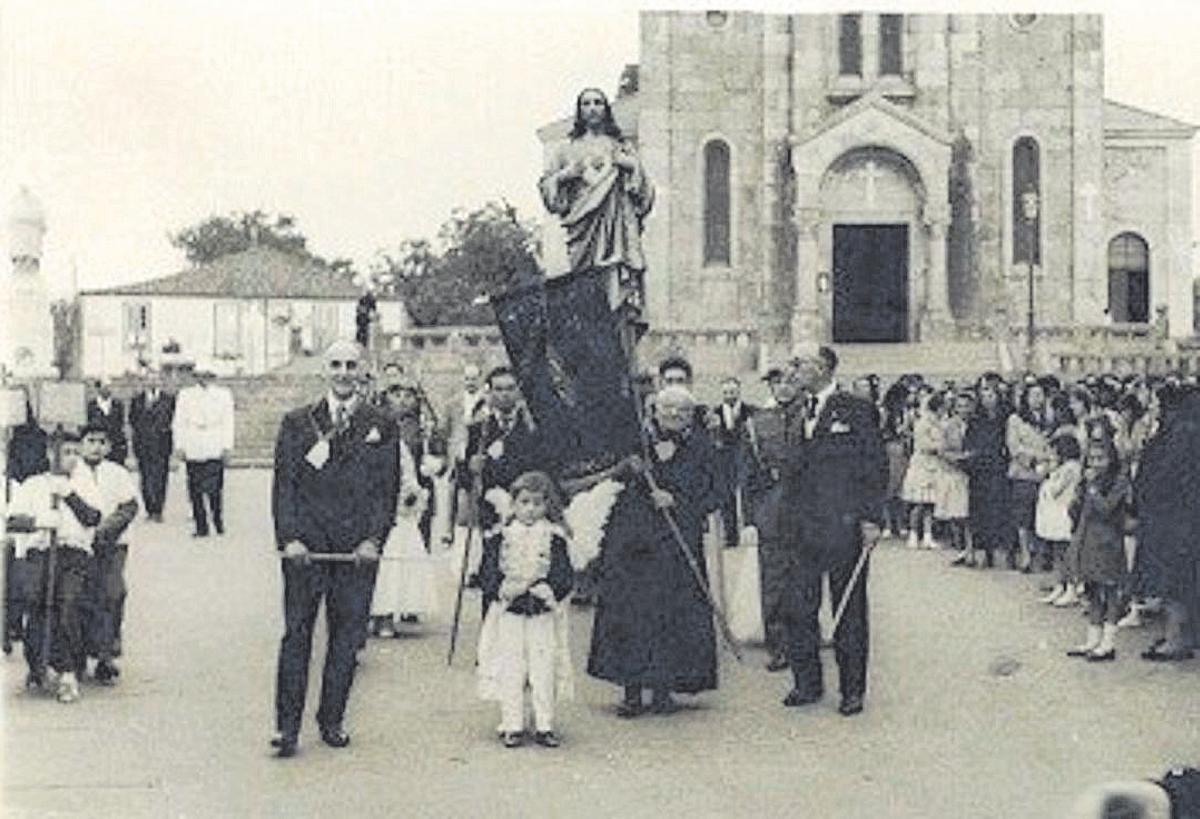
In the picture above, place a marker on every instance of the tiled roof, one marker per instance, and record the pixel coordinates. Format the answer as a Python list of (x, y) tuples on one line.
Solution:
[(257, 273)]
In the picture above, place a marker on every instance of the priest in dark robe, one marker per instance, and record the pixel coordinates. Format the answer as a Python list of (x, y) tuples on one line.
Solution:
[(654, 625)]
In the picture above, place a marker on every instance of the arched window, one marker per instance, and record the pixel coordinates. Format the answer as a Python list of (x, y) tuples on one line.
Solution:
[(716, 202), (891, 46), (850, 45), (1128, 278), (1026, 202)]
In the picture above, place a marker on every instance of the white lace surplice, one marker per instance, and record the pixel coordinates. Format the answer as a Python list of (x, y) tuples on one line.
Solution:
[(524, 556)]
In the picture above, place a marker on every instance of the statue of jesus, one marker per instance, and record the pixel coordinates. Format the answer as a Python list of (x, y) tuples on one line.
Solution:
[(595, 183)]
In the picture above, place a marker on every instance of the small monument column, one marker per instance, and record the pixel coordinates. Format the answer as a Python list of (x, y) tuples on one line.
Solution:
[(28, 348)]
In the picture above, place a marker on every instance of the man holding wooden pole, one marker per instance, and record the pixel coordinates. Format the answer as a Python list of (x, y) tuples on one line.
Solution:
[(334, 492)]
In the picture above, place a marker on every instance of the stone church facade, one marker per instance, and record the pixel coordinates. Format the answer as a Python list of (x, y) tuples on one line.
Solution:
[(886, 177)]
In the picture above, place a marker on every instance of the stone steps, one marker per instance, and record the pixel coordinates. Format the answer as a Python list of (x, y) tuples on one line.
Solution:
[(958, 360)]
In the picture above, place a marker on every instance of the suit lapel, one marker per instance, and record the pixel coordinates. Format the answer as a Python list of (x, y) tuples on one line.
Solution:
[(825, 417)]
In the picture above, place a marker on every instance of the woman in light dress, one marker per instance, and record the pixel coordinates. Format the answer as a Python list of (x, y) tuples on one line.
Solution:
[(952, 505), (406, 586), (924, 469)]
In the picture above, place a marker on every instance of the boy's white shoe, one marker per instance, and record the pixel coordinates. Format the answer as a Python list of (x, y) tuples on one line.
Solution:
[(929, 542), (68, 688), (1094, 635), (913, 541), (1070, 597), (1055, 593), (1132, 619)]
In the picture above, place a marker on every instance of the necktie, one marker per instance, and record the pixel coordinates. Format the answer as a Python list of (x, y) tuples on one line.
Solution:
[(810, 407), (341, 418)]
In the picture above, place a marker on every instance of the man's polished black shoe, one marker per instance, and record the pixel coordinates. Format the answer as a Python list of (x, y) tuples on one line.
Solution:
[(777, 663), (335, 737), (284, 745), (630, 710), (850, 706), (664, 705), (797, 698)]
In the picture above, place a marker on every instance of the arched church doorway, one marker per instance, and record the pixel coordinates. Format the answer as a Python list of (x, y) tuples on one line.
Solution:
[(871, 198)]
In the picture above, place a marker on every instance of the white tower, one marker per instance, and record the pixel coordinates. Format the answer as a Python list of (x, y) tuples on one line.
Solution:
[(28, 340)]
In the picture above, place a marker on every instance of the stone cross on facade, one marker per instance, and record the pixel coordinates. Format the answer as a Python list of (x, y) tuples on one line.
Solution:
[(871, 172), (1088, 194)]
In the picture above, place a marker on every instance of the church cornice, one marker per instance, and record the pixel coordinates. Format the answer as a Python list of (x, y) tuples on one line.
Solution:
[(877, 102), (1123, 121)]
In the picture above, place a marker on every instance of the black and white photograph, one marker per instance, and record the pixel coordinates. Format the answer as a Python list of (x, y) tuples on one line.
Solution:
[(507, 409)]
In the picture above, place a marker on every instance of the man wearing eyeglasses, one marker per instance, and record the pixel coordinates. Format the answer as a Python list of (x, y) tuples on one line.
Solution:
[(334, 492)]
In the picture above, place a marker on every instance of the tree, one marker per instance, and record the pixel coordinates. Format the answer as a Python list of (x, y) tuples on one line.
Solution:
[(66, 317), (484, 252), (218, 236)]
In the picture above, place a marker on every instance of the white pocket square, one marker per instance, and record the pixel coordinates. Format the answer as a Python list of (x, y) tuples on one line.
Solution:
[(839, 428), (373, 436)]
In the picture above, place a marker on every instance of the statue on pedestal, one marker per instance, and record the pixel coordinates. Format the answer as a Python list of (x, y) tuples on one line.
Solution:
[(596, 184)]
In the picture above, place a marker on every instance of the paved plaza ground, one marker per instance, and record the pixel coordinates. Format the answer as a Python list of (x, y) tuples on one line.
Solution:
[(944, 735)]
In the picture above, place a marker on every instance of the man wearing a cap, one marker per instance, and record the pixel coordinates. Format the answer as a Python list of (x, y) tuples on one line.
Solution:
[(334, 492), (838, 490), (776, 437), (202, 430)]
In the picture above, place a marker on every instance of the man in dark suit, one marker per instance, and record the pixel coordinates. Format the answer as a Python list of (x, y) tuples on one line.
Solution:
[(334, 492), (151, 413), (107, 411), (502, 445), (838, 490), (505, 442), (730, 437)]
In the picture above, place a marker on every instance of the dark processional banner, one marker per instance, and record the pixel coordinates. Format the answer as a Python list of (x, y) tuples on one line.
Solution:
[(562, 339)]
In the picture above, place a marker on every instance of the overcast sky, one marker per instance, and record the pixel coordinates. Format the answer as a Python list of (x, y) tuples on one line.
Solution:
[(368, 121)]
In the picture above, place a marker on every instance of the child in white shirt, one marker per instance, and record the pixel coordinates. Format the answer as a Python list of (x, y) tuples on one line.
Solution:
[(526, 572), (1053, 515)]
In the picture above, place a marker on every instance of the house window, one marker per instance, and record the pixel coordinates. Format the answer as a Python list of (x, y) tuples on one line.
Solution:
[(136, 322), (1128, 279), (227, 329), (716, 202), (850, 44), (1026, 202), (891, 53)]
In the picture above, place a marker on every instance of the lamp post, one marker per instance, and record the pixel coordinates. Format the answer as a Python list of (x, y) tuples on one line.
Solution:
[(1029, 210)]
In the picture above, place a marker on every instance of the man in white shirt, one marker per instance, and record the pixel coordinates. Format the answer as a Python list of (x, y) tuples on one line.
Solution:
[(203, 435)]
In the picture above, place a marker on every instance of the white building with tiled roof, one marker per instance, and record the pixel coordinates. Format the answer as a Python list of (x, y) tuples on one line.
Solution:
[(243, 314)]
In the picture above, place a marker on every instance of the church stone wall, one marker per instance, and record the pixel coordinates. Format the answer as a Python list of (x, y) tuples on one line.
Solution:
[(759, 81), (1147, 192), (705, 81), (1025, 87)]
